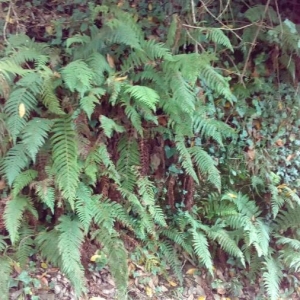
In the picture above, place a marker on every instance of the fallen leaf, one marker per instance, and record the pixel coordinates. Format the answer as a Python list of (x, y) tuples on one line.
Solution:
[(172, 283), (44, 265), (201, 298), (94, 257), (279, 143), (149, 292), (191, 271)]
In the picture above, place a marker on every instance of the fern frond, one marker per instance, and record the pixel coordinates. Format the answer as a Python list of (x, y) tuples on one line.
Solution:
[(6, 269), (64, 154), (84, 206), (272, 277), (206, 165), (35, 134), (186, 159), (129, 157), (117, 259), (49, 97), (69, 243), (46, 194), (25, 246), (78, 76), (13, 214), (89, 102), (172, 257), (200, 245), (47, 242), (109, 126), (143, 95), (217, 36), (22, 180), (14, 161)]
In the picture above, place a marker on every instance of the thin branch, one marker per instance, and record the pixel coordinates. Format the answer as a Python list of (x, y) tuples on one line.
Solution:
[(254, 42), (7, 18)]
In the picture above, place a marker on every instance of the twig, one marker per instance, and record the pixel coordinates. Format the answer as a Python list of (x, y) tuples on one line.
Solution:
[(224, 25), (254, 42), (6, 22), (194, 21), (222, 12)]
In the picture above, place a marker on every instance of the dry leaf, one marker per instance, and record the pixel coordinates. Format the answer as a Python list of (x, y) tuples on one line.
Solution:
[(120, 78), (44, 265), (201, 298), (279, 143), (172, 283), (149, 292), (191, 271), (22, 110), (110, 61), (251, 153), (94, 257)]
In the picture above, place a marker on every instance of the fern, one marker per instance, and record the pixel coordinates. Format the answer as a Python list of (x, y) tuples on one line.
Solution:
[(26, 244), (22, 180), (35, 134), (6, 269), (109, 126), (200, 245), (129, 157), (272, 277), (143, 95), (116, 257), (64, 153), (69, 243), (84, 206), (13, 214), (78, 77), (206, 164)]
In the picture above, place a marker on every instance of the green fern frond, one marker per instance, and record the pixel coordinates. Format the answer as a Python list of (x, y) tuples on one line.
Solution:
[(64, 154), (200, 245), (129, 157), (117, 259), (89, 102), (217, 36), (6, 270), (118, 32), (272, 277), (26, 92), (14, 161), (186, 159), (226, 242), (22, 180), (182, 93), (25, 246), (84, 206), (134, 117), (49, 97), (35, 134), (46, 193), (78, 76), (69, 244), (171, 256), (206, 165), (13, 214), (109, 126), (47, 242), (143, 95)]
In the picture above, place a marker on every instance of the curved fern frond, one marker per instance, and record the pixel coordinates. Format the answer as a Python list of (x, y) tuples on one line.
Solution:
[(143, 95), (13, 214)]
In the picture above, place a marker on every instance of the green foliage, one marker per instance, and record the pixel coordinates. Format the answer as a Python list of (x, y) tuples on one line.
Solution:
[(119, 125)]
